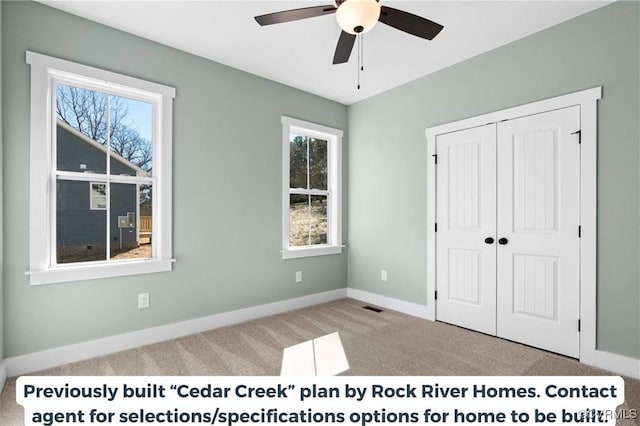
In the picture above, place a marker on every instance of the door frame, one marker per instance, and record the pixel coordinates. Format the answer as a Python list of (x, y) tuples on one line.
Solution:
[(587, 100)]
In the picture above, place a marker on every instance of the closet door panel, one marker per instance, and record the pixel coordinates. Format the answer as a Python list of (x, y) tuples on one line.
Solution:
[(538, 199), (466, 217)]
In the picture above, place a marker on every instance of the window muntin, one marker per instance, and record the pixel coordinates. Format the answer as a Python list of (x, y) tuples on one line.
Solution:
[(312, 191), (120, 148)]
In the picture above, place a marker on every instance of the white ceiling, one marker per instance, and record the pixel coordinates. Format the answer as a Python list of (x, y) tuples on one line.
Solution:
[(300, 53)]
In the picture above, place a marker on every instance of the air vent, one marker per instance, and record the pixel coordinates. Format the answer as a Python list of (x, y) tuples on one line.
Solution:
[(371, 308)]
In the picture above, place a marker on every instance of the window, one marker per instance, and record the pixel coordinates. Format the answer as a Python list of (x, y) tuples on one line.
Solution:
[(98, 196), (312, 184), (111, 134)]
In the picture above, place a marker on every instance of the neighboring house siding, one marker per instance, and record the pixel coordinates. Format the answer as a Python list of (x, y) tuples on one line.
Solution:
[(72, 152), (76, 223), (117, 168), (77, 226)]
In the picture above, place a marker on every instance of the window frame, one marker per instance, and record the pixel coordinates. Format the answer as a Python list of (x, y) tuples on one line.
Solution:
[(46, 72), (334, 187)]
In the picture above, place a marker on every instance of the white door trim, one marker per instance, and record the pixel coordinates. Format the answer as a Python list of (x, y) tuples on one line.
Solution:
[(587, 100)]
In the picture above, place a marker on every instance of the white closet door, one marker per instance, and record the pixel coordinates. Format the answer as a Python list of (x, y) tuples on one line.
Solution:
[(466, 216), (538, 280)]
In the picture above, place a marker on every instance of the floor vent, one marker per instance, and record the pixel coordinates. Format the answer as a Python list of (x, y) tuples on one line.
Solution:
[(371, 308)]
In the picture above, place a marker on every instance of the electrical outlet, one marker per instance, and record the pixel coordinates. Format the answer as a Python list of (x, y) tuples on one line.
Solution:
[(383, 275), (298, 276), (143, 300)]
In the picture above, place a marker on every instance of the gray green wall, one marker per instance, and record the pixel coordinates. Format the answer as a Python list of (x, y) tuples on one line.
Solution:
[(227, 171), (388, 156), (1, 206), (227, 159)]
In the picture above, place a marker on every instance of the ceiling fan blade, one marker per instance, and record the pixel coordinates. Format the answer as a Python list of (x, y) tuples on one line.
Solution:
[(409, 23), (295, 14), (344, 48)]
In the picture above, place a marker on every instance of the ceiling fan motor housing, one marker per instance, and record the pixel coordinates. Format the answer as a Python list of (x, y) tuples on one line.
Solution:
[(357, 16)]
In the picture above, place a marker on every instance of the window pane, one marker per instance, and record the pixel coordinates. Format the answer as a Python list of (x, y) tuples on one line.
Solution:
[(80, 230), (298, 220), (81, 129), (146, 220), (131, 124), (318, 223), (126, 228), (298, 161), (307, 220), (129, 132), (317, 163)]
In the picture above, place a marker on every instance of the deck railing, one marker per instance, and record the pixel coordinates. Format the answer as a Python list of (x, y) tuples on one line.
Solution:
[(145, 225)]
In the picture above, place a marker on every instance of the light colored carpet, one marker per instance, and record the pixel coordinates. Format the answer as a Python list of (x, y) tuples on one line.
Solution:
[(376, 344)]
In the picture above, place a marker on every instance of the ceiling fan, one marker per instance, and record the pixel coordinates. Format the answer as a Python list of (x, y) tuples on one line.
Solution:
[(356, 17)]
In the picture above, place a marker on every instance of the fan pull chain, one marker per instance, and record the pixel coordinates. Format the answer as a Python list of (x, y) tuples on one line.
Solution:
[(362, 51), (360, 38)]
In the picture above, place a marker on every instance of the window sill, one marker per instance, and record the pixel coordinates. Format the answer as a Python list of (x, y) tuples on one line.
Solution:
[(60, 274), (294, 253)]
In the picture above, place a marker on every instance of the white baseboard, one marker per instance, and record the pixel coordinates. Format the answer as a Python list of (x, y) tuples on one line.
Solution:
[(409, 308), (50, 358), (606, 360), (3, 374), (620, 364)]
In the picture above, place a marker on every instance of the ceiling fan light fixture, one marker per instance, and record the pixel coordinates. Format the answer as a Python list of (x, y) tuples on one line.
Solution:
[(358, 16)]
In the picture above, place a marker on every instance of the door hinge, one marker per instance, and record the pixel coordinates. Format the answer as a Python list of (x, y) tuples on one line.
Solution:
[(435, 227), (579, 231), (435, 158), (436, 294), (579, 133), (579, 326)]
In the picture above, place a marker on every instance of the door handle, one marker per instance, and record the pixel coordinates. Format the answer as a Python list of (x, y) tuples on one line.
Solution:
[(488, 240), (503, 241)]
